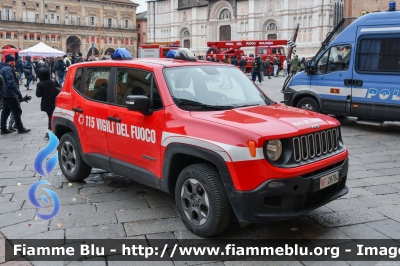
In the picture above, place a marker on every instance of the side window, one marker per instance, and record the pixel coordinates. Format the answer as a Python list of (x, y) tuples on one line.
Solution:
[(379, 55), (337, 58), (96, 83), (136, 82), (78, 79)]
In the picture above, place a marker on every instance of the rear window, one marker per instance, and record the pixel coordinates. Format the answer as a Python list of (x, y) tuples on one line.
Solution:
[(379, 55)]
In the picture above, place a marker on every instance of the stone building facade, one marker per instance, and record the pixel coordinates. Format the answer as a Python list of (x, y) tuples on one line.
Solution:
[(141, 25), (71, 26), (194, 22)]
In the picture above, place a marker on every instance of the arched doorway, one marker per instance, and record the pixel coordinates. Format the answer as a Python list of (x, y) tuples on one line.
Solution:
[(109, 52), (8, 46), (73, 45), (186, 38), (225, 30), (271, 31)]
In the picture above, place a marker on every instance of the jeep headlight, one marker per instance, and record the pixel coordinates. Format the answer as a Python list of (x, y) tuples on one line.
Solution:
[(274, 149)]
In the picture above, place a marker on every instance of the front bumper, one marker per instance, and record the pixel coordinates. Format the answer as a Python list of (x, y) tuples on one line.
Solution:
[(299, 196), (288, 96)]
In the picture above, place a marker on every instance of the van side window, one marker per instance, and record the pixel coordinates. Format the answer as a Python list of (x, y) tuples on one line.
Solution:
[(379, 55), (337, 58), (136, 82)]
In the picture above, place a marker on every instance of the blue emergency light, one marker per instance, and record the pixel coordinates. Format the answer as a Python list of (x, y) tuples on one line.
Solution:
[(392, 6), (121, 54), (171, 54)]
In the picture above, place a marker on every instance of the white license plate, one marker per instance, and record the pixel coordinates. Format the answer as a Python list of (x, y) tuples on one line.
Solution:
[(328, 180)]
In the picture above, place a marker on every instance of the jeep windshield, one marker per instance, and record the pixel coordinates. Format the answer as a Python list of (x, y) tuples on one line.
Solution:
[(208, 87)]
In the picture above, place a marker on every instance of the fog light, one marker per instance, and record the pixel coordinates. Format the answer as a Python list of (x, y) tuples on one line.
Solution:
[(276, 184)]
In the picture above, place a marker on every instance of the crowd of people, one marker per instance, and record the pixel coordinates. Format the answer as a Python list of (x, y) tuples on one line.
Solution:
[(51, 74), (261, 68)]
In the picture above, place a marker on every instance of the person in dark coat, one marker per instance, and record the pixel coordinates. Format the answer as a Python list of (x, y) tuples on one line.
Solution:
[(234, 61), (243, 64), (60, 67), (20, 69), (79, 59), (28, 70), (11, 96), (46, 89)]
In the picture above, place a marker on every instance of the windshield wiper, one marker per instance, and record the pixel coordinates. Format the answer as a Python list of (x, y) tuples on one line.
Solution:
[(202, 105)]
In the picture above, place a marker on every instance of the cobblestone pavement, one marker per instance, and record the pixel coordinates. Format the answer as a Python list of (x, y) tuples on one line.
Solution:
[(108, 206)]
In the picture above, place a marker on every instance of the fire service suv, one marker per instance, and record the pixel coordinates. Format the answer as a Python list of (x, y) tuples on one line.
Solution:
[(203, 132), (263, 48), (8, 50), (157, 50)]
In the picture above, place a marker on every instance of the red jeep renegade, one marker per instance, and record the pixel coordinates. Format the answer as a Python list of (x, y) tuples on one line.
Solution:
[(202, 131)]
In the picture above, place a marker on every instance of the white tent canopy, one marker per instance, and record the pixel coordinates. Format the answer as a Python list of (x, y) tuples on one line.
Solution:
[(42, 50)]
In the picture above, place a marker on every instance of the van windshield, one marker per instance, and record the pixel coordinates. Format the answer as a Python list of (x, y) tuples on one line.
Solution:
[(212, 88)]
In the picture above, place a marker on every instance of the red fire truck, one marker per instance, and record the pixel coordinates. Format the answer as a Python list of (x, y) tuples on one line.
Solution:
[(157, 50), (6, 50), (263, 48)]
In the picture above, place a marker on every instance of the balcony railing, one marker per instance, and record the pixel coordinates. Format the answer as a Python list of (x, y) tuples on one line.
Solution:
[(66, 23)]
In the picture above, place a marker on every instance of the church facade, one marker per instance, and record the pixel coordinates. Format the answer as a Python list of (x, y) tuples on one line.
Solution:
[(195, 22)]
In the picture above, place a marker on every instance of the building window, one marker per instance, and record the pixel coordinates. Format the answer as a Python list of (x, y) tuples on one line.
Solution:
[(52, 16), (15, 36), (79, 21), (37, 4), (138, 26), (92, 21), (23, 3), (126, 24), (58, 38), (45, 6), (14, 15), (58, 18), (53, 38), (8, 35), (31, 37), (57, 7), (37, 16), (109, 22), (38, 37), (66, 8), (109, 40), (46, 16), (138, 37), (47, 38), (1, 35), (14, 3)]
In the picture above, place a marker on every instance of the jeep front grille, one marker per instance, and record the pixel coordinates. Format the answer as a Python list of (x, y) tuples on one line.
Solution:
[(315, 145)]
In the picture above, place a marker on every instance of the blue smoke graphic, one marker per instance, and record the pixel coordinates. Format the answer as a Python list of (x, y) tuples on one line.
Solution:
[(36, 203), (42, 155)]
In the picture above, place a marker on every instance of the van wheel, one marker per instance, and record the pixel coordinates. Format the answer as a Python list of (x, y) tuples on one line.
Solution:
[(309, 104), (202, 201), (70, 160)]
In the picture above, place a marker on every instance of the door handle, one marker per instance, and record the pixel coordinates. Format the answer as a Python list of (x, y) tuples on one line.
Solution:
[(347, 82), (78, 110), (358, 82), (115, 119)]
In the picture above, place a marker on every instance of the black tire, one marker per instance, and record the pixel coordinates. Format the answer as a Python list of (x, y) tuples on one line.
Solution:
[(308, 103), (209, 187), (70, 159)]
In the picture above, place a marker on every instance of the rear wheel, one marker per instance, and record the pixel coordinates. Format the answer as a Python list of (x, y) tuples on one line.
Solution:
[(70, 159), (202, 201), (309, 104)]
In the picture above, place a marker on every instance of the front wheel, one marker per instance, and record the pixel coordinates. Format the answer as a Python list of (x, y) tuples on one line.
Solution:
[(309, 104), (70, 159), (202, 201)]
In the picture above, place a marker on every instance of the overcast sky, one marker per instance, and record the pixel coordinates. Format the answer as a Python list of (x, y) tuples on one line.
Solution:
[(142, 5)]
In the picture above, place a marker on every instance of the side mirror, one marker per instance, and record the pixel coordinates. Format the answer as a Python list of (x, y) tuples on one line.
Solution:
[(311, 69), (138, 103)]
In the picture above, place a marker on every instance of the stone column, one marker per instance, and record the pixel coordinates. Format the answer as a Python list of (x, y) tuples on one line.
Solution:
[(21, 40), (83, 45), (63, 42)]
